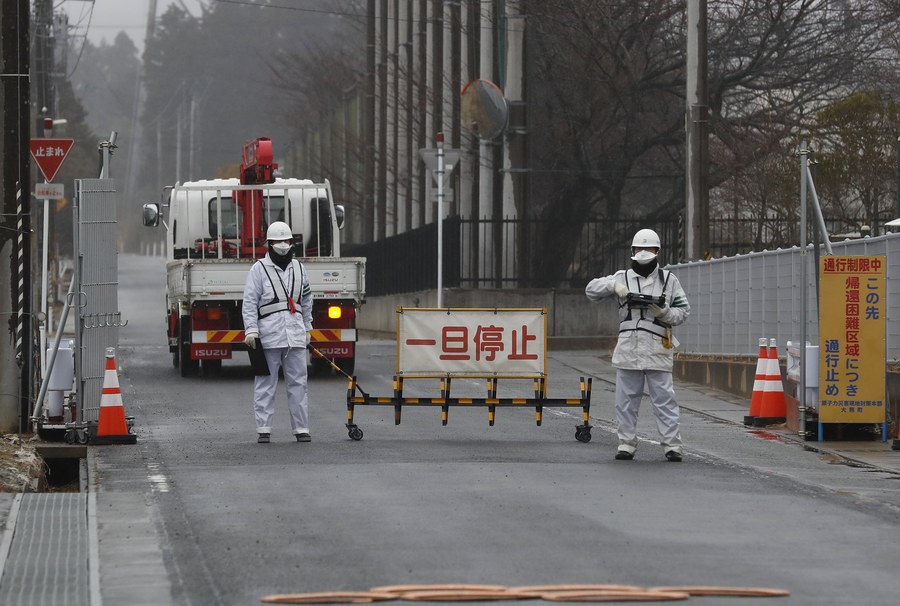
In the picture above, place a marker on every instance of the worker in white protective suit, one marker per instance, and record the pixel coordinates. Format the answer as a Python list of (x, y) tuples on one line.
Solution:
[(277, 313), (651, 301)]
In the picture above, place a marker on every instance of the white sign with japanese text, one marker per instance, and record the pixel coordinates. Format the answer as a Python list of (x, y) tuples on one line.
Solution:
[(49, 191), (471, 342)]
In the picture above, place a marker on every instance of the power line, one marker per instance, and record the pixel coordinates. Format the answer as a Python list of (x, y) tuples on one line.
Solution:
[(291, 8), (83, 42)]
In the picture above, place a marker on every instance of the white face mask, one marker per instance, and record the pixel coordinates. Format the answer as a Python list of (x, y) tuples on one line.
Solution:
[(643, 257), (282, 248)]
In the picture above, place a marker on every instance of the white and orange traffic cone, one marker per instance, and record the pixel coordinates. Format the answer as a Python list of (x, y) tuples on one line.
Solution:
[(759, 383), (774, 407), (112, 428)]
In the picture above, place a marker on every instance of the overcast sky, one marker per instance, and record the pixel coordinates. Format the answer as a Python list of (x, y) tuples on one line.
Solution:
[(104, 19)]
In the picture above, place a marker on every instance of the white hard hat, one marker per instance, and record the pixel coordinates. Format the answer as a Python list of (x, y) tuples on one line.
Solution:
[(645, 238), (279, 230)]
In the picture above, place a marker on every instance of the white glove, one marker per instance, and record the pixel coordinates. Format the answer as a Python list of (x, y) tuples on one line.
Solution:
[(250, 339), (620, 289), (306, 338), (656, 311)]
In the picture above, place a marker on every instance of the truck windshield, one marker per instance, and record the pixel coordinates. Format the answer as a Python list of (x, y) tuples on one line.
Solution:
[(321, 237), (274, 211), (229, 218)]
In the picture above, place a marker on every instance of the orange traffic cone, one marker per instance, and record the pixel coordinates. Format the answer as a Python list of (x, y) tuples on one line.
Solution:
[(759, 383), (112, 428), (774, 407)]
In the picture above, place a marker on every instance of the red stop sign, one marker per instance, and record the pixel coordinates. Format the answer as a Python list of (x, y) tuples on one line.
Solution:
[(49, 154)]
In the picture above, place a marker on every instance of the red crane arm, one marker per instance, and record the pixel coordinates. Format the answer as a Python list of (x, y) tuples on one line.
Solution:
[(257, 168)]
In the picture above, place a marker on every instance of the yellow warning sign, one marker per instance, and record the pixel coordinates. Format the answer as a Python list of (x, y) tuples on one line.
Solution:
[(852, 340)]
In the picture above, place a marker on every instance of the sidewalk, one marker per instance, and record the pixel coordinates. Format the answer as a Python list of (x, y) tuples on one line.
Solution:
[(731, 409), (724, 407)]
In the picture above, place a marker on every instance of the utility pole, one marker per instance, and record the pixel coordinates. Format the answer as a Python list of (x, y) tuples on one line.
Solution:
[(515, 148), (137, 152), (42, 78), (369, 128), (44, 91), (486, 153), (16, 348), (381, 216), (696, 135)]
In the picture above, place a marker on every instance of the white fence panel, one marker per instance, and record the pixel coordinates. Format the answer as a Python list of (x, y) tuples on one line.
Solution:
[(98, 318), (737, 300)]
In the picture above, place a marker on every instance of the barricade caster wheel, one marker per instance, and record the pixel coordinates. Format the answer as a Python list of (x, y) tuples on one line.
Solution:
[(583, 434), (84, 437), (70, 436), (355, 433)]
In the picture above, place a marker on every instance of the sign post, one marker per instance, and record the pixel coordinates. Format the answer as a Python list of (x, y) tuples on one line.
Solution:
[(440, 162), (49, 155)]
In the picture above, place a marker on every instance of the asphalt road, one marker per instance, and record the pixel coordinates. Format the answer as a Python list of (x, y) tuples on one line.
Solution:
[(230, 520)]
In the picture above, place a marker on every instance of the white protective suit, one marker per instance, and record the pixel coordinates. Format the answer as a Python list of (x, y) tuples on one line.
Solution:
[(640, 354), (283, 336)]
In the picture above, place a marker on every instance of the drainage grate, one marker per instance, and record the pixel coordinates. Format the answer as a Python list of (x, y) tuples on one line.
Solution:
[(48, 556)]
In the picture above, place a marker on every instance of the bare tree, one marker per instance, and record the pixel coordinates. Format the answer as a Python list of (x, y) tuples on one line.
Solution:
[(320, 101), (856, 172), (756, 207), (607, 98)]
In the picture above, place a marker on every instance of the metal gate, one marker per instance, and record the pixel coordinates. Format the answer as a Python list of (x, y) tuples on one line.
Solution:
[(98, 319)]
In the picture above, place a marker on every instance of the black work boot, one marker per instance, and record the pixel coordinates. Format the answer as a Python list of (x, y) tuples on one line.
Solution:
[(263, 438), (304, 437), (673, 456), (624, 455)]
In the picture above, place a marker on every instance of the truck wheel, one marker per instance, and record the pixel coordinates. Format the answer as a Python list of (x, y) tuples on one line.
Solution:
[(346, 364), (212, 368), (175, 357), (187, 366), (319, 367)]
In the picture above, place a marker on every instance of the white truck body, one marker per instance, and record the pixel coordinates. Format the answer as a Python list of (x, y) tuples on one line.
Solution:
[(206, 269), (212, 279)]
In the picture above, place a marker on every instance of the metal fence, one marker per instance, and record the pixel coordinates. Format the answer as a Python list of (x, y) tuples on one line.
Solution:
[(737, 300), (96, 289), (485, 253), (506, 253), (408, 262)]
